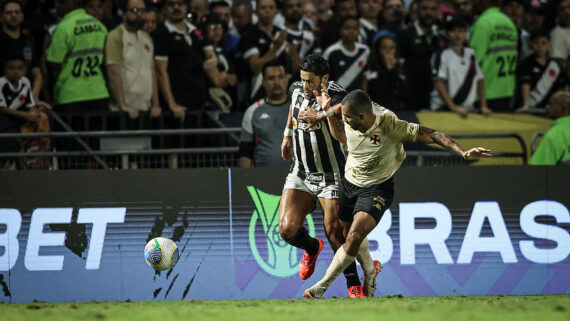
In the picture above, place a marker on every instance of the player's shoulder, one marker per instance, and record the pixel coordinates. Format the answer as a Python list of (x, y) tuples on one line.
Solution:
[(3, 82), (249, 111), (26, 82), (362, 47), (336, 89), (297, 85), (382, 111)]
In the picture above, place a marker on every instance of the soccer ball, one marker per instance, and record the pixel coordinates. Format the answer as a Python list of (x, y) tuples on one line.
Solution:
[(161, 253)]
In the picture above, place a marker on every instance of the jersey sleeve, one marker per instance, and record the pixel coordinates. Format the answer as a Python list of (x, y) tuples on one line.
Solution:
[(438, 67), (337, 93), (160, 38), (524, 71), (30, 102), (247, 125), (114, 48), (559, 44), (2, 98), (59, 46), (399, 129), (248, 46)]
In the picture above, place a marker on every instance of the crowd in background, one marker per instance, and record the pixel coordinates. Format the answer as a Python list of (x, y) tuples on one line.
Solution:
[(172, 57)]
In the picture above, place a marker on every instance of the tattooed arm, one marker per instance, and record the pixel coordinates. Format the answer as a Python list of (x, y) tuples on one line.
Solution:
[(430, 136), (336, 125)]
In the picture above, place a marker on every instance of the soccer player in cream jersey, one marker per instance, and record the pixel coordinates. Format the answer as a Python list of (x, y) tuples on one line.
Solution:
[(373, 136)]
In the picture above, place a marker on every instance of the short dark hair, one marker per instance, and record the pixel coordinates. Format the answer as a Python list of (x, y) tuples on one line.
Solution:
[(539, 34), (349, 18), (456, 23), (6, 2), (357, 102), (272, 63), (221, 3), (315, 64)]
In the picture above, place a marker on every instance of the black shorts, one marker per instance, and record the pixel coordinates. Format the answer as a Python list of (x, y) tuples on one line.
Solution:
[(374, 200)]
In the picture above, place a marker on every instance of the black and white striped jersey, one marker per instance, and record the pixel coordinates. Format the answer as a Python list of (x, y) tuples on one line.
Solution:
[(347, 68), (318, 157)]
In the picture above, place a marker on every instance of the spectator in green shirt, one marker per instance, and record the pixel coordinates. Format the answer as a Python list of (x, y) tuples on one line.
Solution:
[(554, 149), (494, 38)]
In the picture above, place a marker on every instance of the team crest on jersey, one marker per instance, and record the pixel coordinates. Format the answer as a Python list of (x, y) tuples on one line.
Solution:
[(375, 139)]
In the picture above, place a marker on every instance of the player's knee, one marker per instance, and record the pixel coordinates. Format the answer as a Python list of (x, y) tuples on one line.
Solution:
[(354, 238), (287, 231)]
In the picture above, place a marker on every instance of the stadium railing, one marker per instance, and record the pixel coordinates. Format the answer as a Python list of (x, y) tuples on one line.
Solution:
[(133, 149)]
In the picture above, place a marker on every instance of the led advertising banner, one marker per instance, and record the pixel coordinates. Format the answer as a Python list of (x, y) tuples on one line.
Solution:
[(80, 235)]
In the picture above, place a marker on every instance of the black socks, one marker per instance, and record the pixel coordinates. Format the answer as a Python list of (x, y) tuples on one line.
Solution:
[(302, 240)]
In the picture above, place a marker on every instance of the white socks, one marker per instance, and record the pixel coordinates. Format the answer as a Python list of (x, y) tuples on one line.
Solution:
[(339, 262), (365, 259)]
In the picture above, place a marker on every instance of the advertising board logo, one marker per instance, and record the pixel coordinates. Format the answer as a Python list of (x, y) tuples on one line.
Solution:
[(271, 252)]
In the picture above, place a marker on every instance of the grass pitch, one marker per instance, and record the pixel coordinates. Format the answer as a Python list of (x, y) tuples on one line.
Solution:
[(457, 308)]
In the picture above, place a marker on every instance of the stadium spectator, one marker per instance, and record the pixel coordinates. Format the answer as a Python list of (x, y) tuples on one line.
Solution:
[(14, 42), (533, 20), (310, 14), (262, 43), (331, 30), (553, 149), (299, 31), (179, 59), (393, 15), (494, 39), (17, 106), (464, 10), (560, 37), (222, 85), (347, 57), (150, 17), (95, 8), (368, 11), (457, 75), (514, 9), (75, 57), (242, 14), (130, 66), (412, 14), (539, 76), (324, 15), (263, 122), (200, 8), (386, 82), (230, 42), (416, 44)]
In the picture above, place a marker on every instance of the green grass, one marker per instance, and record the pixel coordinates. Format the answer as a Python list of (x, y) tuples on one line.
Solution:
[(502, 308)]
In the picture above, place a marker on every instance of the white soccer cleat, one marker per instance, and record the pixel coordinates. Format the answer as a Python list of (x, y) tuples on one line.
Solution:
[(369, 281), (314, 292)]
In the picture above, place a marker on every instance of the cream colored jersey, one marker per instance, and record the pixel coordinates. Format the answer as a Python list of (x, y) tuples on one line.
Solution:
[(374, 156)]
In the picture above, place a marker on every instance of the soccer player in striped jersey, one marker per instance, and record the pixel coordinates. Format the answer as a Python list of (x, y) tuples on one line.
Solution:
[(315, 173), (373, 136)]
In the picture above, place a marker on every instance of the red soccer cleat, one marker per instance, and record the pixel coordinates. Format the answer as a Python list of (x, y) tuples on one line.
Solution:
[(356, 292), (307, 264)]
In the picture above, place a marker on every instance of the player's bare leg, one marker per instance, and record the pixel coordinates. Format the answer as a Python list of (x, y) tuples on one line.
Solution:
[(294, 206), (362, 225), (334, 233)]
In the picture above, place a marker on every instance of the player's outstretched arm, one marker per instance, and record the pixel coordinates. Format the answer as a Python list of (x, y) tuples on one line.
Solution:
[(430, 136)]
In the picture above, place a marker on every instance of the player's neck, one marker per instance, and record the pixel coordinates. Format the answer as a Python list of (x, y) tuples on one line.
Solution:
[(541, 60), (368, 122), (15, 84), (458, 48), (276, 101), (349, 45), (268, 29), (294, 26)]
